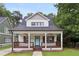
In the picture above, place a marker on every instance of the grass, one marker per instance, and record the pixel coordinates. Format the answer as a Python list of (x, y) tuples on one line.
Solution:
[(66, 52), (5, 47), (24, 53)]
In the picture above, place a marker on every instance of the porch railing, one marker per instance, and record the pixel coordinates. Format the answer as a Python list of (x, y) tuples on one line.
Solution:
[(53, 45), (22, 45), (31, 44)]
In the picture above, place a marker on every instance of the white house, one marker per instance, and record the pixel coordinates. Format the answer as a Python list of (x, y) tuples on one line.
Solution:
[(37, 32)]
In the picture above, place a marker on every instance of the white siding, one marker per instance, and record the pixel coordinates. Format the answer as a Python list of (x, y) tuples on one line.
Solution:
[(37, 18), (28, 23)]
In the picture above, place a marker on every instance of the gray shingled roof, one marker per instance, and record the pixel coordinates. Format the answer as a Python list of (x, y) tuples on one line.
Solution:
[(2, 19), (22, 27)]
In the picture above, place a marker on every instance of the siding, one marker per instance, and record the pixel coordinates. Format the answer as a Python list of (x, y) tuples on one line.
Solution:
[(46, 24), (37, 18), (3, 25)]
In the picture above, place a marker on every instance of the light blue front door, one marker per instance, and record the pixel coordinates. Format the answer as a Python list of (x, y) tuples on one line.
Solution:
[(37, 40)]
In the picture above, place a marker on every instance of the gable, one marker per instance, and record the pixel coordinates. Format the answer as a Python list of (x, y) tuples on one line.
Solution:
[(4, 24), (37, 16), (37, 19)]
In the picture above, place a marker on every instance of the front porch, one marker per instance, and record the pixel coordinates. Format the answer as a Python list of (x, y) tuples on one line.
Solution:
[(49, 40)]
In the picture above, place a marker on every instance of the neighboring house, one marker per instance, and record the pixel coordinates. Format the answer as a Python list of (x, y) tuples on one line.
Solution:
[(5, 36), (37, 32)]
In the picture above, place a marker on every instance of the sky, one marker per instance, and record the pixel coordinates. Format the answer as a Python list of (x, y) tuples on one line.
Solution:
[(25, 8)]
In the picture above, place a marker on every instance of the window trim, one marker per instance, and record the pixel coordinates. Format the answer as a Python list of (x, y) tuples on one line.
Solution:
[(37, 24), (50, 39)]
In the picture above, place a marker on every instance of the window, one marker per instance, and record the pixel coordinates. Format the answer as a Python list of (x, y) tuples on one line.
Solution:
[(37, 24), (41, 24), (50, 39), (33, 23), (25, 39), (16, 38)]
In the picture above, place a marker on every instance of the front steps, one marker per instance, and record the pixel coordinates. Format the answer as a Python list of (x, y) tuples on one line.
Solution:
[(37, 53), (37, 48)]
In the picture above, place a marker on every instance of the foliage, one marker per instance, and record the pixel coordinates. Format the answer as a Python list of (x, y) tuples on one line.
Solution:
[(14, 16), (68, 19), (29, 14), (3, 11)]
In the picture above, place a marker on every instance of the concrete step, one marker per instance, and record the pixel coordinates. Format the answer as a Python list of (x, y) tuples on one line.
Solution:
[(37, 53)]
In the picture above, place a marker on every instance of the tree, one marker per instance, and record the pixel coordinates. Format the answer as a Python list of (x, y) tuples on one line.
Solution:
[(13, 17), (50, 16), (29, 14), (3, 11), (68, 19), (16, 16)]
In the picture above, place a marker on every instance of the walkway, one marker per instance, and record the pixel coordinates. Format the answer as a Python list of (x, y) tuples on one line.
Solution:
[(37, 53), (4, 52)]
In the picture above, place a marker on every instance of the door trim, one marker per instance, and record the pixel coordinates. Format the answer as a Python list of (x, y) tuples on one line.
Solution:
[(35, 40)]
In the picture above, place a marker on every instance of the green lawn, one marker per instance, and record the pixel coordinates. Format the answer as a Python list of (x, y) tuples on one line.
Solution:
[(66, 52), (5, 47), (24, 53)]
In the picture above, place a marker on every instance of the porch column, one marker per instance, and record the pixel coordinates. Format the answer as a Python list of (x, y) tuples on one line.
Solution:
[(12, 41), (45, 40), (55, 38), (62, 40), (19, 37), (28, 40)]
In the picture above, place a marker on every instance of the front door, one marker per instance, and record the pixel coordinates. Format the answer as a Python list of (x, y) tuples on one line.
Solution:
[(37, 41)]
